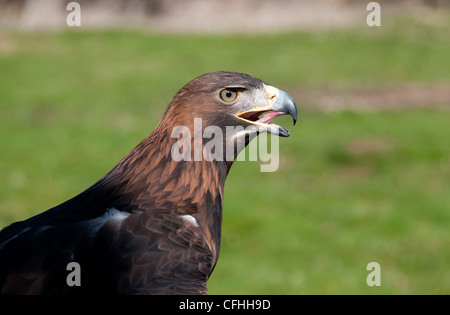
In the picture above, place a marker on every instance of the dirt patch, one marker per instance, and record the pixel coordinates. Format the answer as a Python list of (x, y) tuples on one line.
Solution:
[(368, 146), (360, 158), (392, 97), (7, 45)]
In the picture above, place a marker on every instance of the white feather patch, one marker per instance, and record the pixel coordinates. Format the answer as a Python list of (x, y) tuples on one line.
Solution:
[(111, 214), (189, 220)]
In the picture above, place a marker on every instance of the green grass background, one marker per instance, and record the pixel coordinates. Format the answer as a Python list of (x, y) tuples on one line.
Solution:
[(73, 103)]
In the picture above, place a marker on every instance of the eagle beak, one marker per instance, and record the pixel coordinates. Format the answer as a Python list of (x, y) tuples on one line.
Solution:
[(278, 103)]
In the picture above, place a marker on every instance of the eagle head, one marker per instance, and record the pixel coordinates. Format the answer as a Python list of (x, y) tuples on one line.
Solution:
[(240, 105)]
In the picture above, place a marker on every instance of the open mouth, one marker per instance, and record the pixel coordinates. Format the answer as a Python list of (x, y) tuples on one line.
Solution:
[(264, 118)]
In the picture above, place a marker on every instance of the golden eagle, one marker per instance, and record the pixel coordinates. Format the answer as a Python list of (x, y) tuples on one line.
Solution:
[(151, 225)]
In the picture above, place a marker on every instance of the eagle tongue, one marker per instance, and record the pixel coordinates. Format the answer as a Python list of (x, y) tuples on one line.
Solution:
[(266, 118)]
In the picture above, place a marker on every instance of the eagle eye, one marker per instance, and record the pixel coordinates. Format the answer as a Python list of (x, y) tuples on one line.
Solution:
[(228, 95)]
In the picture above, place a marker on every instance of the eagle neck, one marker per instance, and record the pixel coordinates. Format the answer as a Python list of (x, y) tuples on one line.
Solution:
[(151, 180)]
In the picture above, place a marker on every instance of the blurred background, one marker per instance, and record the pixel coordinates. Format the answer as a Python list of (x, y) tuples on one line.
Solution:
[(364, 177)]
